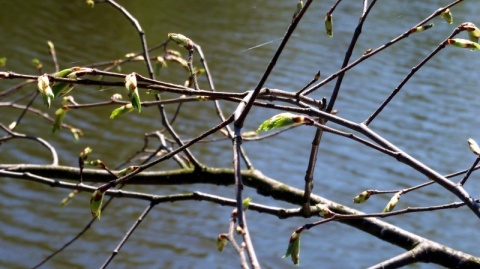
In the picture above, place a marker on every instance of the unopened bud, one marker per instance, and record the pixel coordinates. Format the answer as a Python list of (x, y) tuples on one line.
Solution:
[(362, 197), (222, 241), (473, 146), (447, 16), (392, 203), (329, 25)]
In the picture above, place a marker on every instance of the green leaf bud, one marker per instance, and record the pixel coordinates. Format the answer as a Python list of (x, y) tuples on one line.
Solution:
[(181, 40), (131, 85), (38, 65), (59, 116), (60, 88), (222, 241), (96, 203), (463, 43), (362, 197), (421, 28), (69, 198), (472, 30), (126, 171), (45, 90), (447, 16), (323, 211), (246, 203), (281, 120), (329, 25), (76, 133), (392, 203), (90, 3), (85, 152), (96, 163), (121, 110), (298, 8), (473, 146), (293, 249)]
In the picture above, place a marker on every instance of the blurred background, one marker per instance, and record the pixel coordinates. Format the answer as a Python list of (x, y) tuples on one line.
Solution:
[(431, 119)]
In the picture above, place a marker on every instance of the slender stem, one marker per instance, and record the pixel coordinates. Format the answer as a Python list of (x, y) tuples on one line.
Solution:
[(161, 108), (312, 160), (218, 108), (249, 246), (140, 31), (407, 78), (24, 111), (241, 118), (375, 51), (127, 235), (169, 155), (318, 134), (347, 57), (42, 141), (237, 141), (469, 172)]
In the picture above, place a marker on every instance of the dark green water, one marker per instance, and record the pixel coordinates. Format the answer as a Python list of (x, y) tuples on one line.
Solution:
[(430, 119)]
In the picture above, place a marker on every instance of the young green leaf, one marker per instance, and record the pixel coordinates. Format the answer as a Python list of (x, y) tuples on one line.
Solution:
[(222, 241), (3, 61), (463, 43), (281, 120), (447, 16), (246, 203), (60, 88), (59, 116), (293, 249), (121, 110), (131, 85), (96, 203), (135, 100), (45, 90)]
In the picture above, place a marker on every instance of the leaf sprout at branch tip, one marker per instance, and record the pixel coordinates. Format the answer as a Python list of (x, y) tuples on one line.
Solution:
[(281, 120), (293, 249), (473, 146)]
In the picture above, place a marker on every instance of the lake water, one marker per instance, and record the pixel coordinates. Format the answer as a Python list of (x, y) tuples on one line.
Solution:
[(431, 119)]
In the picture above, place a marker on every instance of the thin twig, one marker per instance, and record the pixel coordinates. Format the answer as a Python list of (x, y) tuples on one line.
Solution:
[(410, 75), (377, 50), (128, 234), (42, 141), (469, 172)]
